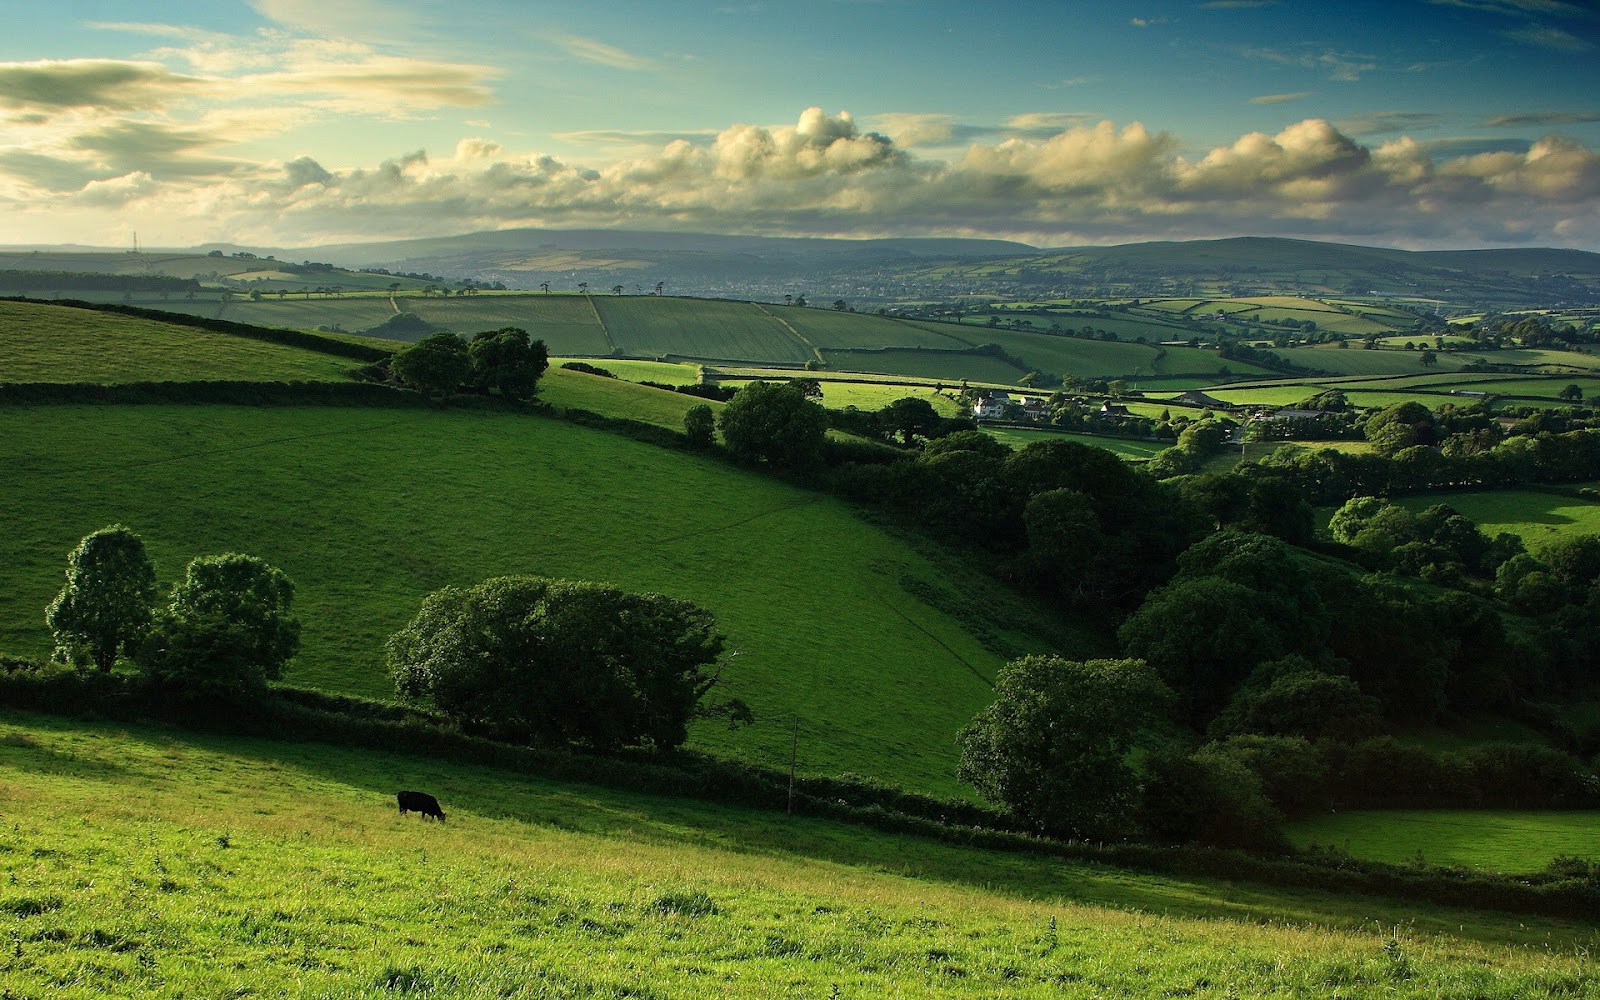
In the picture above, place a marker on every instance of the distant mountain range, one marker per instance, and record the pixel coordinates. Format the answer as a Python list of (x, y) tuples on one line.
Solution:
[(881, 271)]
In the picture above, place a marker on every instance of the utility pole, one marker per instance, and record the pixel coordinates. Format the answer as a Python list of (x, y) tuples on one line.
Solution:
[(794, 756)]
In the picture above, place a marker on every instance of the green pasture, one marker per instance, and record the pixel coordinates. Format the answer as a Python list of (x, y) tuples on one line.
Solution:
[(831, 330), (1128, 448), (146, 862), (875, 396), (947, 366), (1355, 360), (50, 343), (618, 397), (369, 510), (1536, 515), (665, 372), (648, 326), (1496, 839)]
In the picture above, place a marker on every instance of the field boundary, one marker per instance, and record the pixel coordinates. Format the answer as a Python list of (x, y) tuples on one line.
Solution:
[(790, 327)]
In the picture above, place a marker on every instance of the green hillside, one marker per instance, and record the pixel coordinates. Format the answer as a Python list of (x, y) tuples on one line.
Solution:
[(144, 862), (647, 326), (50, 343), (370, 510)]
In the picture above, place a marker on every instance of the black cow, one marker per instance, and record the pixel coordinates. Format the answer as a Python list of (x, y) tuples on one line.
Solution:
[(420, 802)]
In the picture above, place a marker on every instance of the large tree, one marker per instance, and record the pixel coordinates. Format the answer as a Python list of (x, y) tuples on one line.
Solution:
[(1052, 747), (105, 604), (911, 417), (776, 424), (532, 659), (436, 365), (506, 360), (226, 631)]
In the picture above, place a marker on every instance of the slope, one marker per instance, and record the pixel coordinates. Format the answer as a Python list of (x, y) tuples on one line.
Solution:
[(370, 510)]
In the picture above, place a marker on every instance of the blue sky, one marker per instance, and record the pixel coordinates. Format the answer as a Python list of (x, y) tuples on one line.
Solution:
[(295, 122)]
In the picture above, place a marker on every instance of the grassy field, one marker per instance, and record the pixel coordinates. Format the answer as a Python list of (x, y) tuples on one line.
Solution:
[(1533, 514), (832, 330), (665, 372), (1130, 448), (646, 326), (147, 862), (48, 343), (370, 510), (618, 397), (946, 365), (1500, 840)]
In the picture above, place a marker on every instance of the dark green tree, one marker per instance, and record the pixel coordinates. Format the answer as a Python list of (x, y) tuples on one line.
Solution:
[(532, 659), (700, 426), (436, 365), (911, 417), (774, 423), (105, 604), (507, 361), (1052, 747), (226, 631)]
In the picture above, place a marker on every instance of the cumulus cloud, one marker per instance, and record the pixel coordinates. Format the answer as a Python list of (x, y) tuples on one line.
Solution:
[(826, 174)]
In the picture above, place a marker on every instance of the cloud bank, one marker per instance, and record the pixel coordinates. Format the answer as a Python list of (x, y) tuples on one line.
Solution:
[(1045, 179)]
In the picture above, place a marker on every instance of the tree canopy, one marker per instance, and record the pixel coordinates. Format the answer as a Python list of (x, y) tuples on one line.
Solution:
[(776, 424), (532, 659), (505, 360), (105, 604), (437, 364)]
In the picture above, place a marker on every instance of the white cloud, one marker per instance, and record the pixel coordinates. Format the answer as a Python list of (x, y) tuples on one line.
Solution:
[(598, 52)]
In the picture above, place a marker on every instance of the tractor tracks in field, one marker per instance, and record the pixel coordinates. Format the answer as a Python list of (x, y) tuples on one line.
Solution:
[(796, 333), (988, 682)]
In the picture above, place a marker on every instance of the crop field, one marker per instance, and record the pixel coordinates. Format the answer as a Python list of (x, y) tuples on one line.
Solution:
[(697, 328), (1358, 361), (947, 366), (1500, 840), (47, 343), (368, 511), (566, 323), (832, 330), (148, 862), (1127, 448), (1534, 514)]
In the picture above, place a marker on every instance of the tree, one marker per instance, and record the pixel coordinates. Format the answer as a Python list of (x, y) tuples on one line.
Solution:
[(1572, 393), (910, 417), (532, 659), (1051, 747), (435, 365), (774, 423), (545, 286), (105, 605), (840, 305), (226, 631), (660, 286), (508, 361), (699, 425), (1428, 358), (583, 288), (616, 289)]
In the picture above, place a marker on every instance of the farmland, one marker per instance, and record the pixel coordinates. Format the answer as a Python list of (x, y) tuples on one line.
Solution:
[(46, 343), (691, 328), (370, 510), (1499, 840), (1536, 515), (147, 862)]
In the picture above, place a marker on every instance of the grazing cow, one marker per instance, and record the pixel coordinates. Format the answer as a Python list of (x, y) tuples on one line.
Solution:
[(420, 802)]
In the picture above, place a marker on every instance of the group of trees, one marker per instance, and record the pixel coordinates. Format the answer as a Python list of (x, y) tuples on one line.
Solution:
[(225, 630), (503, 361)]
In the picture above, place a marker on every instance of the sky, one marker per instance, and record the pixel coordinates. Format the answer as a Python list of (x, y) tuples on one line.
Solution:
[(295, 123)]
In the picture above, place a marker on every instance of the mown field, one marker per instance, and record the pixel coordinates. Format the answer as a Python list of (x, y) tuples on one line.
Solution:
[(147, 862), (1500, 840), (48, 343), (1536, 515), (646, 326), (370, 510)]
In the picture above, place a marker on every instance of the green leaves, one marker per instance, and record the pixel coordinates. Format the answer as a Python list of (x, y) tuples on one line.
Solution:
[(106, 601)]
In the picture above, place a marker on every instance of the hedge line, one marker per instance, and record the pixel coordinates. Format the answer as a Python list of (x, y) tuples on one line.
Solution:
[(293, 338), (300, 715)]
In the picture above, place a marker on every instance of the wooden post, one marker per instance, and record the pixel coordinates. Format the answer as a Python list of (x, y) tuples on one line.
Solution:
[(794, 755)]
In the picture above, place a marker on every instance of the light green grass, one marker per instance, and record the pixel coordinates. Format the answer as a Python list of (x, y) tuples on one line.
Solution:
[(647, 326), (146, 862), (1129, 448), (49, 343), (946, 365), (618, 397), (1500, 840), (1535, 515), (665, 372), (370, 510)]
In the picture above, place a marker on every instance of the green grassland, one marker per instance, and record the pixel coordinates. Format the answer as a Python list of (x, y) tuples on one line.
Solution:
[(370, 510), (146, 862), (1500, 840), (1536, 515), (947, 366), (831, 330), (618, 397), (1358, 361), (665, 372), (50, 343), (1128, 448), (643, 326), (567, 324)]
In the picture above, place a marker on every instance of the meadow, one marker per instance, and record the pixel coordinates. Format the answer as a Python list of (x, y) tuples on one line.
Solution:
[(49, 343), (142, 861), (1536, 515), (646, 326), (370, 510), (1515, 842), (1127, 448)]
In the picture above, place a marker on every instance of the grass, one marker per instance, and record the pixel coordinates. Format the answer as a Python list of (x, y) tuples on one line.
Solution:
[(665, 372), (832, 330), (1500, 840), (50, 343), (617, 397), (949, 366), (146, 862), (1536, 515), (369, 511), (1129, 448), (646, 326)]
